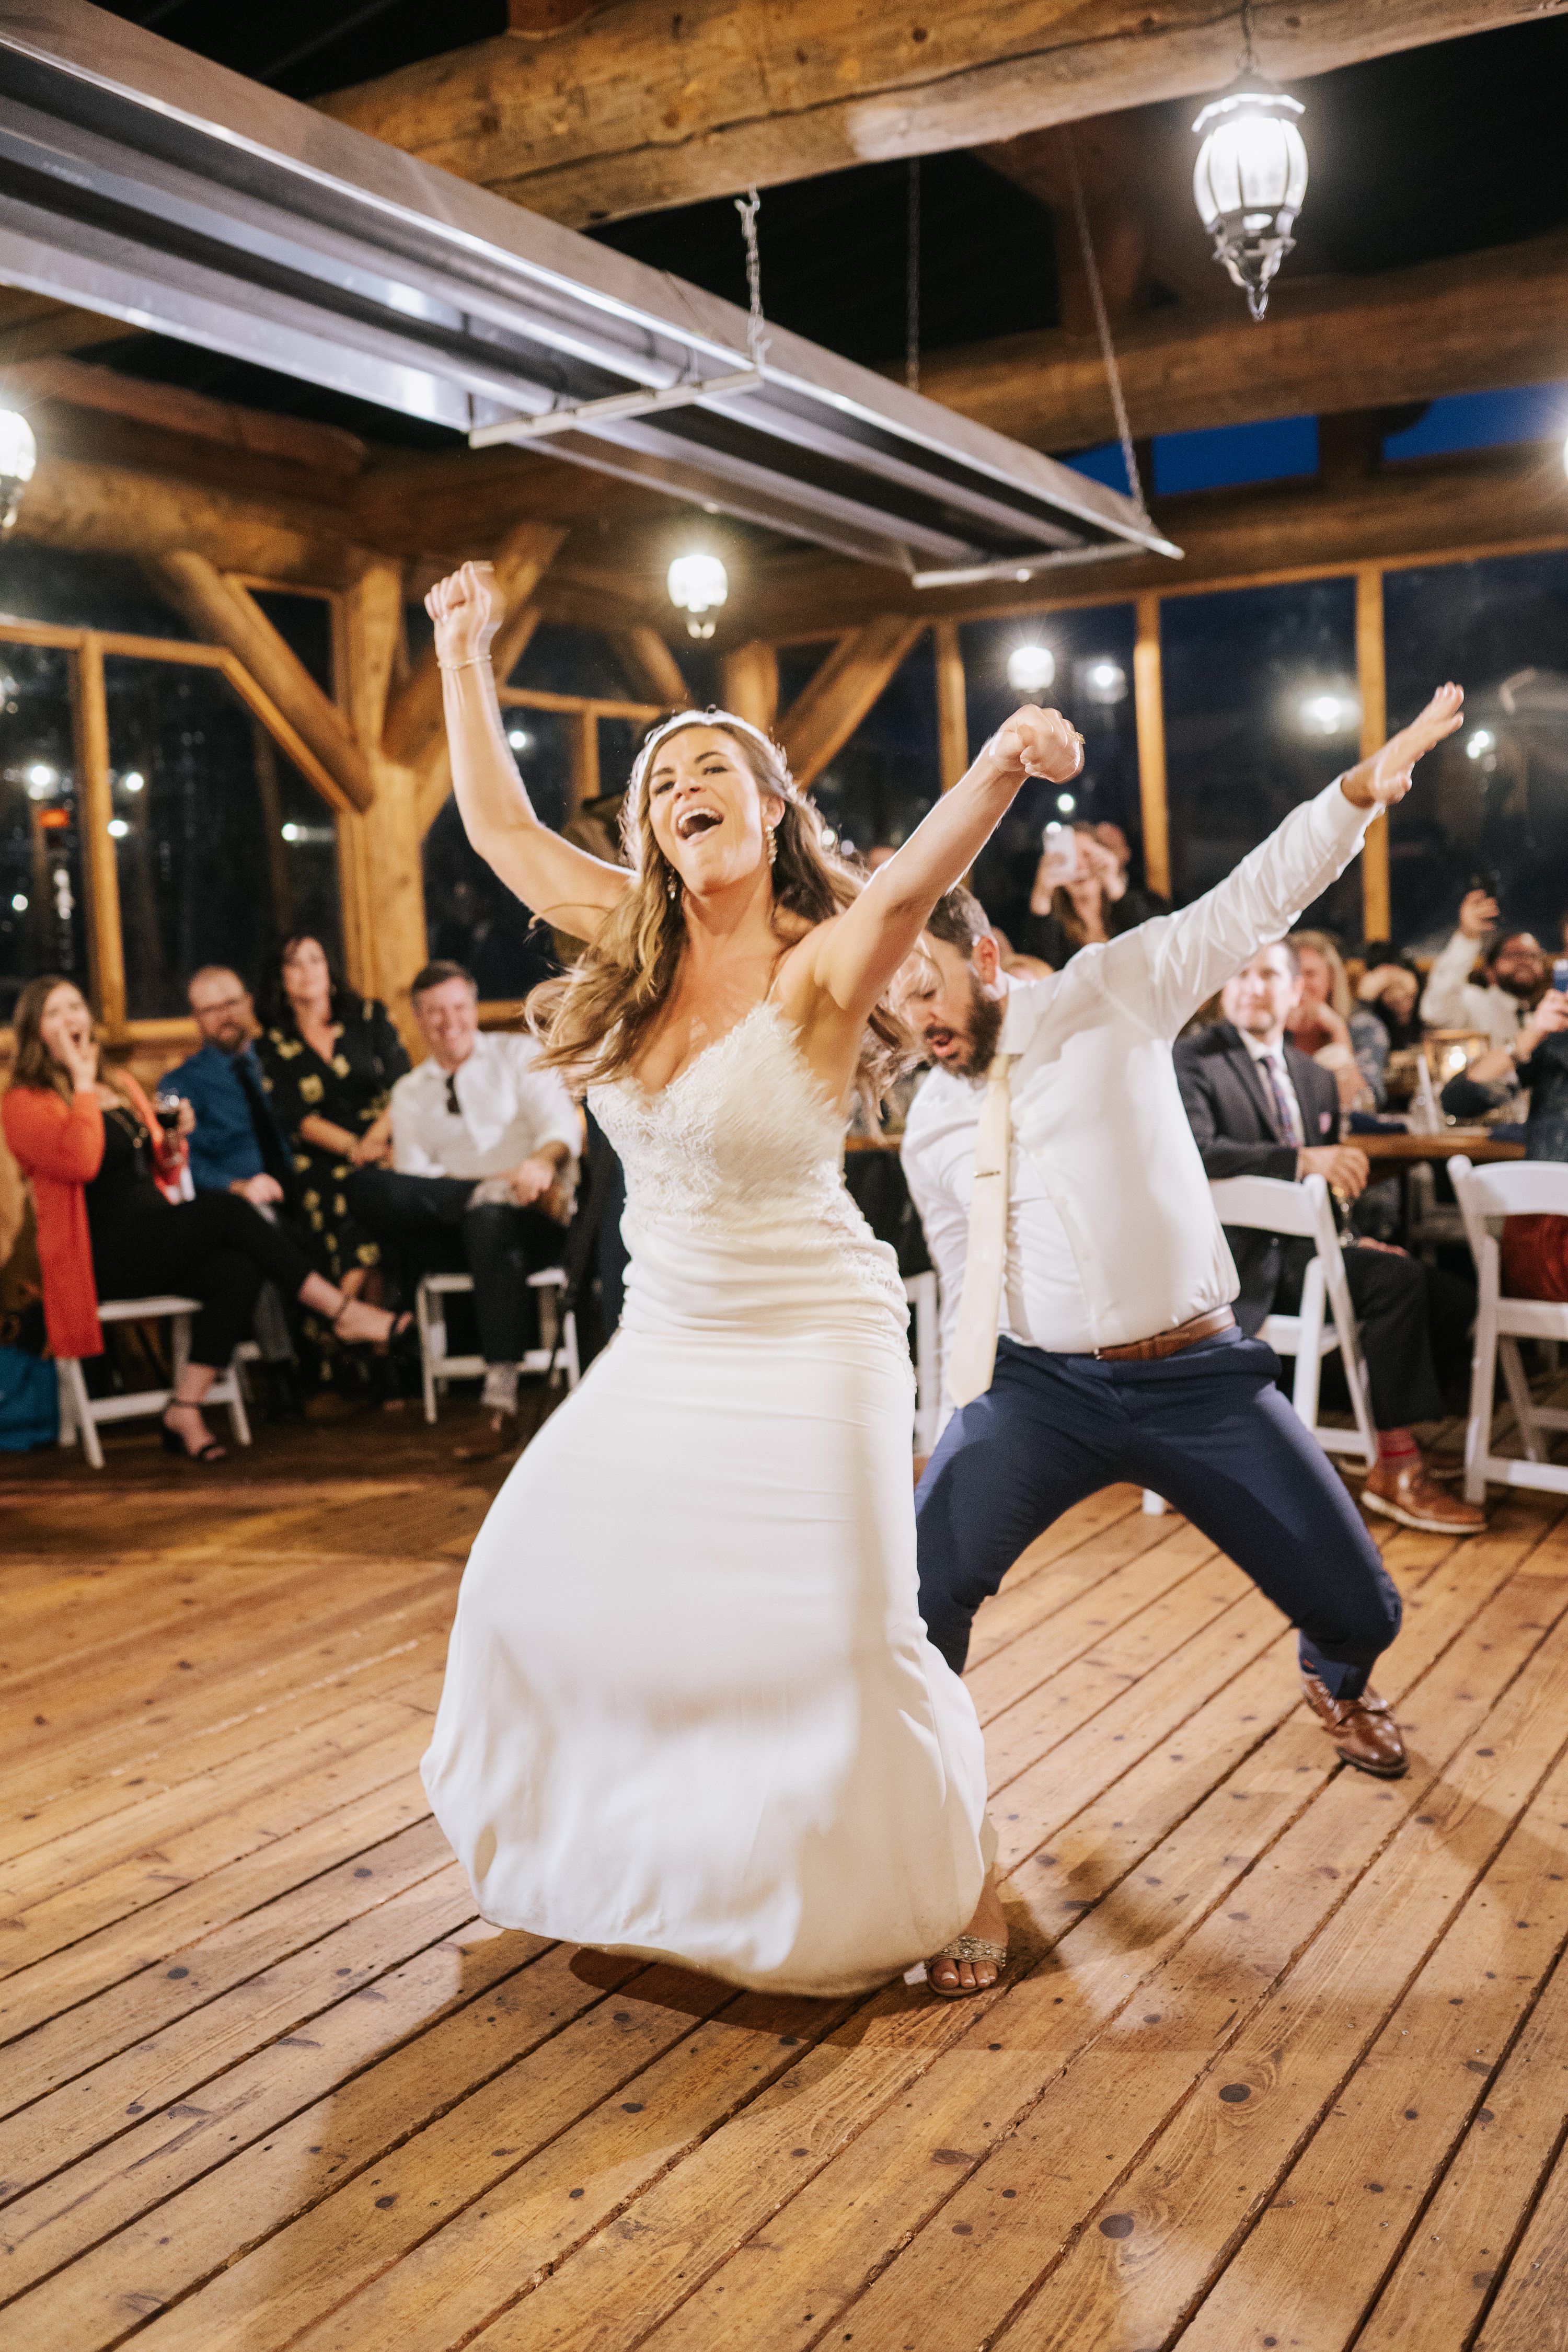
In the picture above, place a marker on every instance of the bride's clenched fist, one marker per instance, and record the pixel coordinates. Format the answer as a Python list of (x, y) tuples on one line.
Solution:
[(467, 609), (1038, 742)]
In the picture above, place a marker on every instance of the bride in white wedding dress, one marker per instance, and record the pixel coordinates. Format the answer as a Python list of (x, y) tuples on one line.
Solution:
[(690, 1711)]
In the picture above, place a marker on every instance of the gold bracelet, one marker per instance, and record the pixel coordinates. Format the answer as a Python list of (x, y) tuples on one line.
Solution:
[(480, 661)]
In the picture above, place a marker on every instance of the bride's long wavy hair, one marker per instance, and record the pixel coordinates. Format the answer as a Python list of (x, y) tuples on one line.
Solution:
[(594, 1020)]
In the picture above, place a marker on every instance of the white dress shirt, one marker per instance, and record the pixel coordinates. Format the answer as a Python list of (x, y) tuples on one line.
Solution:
[(1452, 1000), (1111, 1235), (508, 1108)]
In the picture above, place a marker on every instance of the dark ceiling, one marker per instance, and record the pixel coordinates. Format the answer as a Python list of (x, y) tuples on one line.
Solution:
[(1435, 152)]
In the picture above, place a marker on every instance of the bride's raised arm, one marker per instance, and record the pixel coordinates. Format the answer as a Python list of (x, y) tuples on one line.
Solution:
[(552, 878), (860, 950)]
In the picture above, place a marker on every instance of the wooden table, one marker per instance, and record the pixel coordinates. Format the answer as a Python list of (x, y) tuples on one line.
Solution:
[(1477, 1144)]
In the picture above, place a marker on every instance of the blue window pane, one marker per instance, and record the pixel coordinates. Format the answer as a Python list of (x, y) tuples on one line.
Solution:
[(470, 915), (877, 788), (1225, 455), (1491, 804), (1261, 711), (1484, 420)]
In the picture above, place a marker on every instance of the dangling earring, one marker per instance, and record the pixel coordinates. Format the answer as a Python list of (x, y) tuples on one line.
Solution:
[(672, 887), (773, 843)]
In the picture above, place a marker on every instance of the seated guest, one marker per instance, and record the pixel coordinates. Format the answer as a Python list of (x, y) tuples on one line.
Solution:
[(1328, 1024), (485, 1151), (237, 1144), (1390, 988), (329, 1059), (1260, 1108), (1513, 976), (1535, 1248), (90, 1140)]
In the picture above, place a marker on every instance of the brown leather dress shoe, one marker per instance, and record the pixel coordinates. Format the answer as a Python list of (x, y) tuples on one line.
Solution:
[(1362, 1728), (498, 1436), (1408, 1492)]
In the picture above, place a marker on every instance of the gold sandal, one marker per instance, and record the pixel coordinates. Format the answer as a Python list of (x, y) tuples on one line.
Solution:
[(965, 1948)]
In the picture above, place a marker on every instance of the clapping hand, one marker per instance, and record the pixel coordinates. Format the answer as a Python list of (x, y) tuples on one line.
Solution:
[(1038, 742), (1378, 782)]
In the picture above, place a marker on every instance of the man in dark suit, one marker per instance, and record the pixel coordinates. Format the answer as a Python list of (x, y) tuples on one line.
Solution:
[(1259, 1107)]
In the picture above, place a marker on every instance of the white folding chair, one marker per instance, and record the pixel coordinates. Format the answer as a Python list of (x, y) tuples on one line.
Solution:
[(1326, 1320), (558, 1332), (1522, 1187), (1427, 1221), (920, 1290), (81, 1415)]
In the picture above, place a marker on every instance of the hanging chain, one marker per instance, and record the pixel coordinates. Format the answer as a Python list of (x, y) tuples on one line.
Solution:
[(757, 341), (912, 282), (1248, 62), (1108, 349)]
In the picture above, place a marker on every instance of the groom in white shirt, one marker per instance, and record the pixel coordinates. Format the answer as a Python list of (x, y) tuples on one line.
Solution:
[(1088, 1333)]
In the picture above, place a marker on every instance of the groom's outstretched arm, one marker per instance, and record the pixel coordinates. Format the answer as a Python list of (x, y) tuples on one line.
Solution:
[(1191, 954)]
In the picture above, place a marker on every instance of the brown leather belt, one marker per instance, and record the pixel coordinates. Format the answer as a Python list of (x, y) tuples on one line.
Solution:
[(1169, 1343)]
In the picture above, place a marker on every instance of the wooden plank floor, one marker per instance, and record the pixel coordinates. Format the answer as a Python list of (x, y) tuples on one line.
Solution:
[(1284, 2061)]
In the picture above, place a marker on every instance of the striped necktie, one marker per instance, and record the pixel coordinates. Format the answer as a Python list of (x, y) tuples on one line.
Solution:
[(1285, 1107)]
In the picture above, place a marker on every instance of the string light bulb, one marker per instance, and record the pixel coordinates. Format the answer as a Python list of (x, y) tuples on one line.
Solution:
[(18, 457), (1030, 668)]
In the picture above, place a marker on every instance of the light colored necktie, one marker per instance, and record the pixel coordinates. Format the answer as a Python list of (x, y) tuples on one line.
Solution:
[(1284, 1100), (974, 1358)]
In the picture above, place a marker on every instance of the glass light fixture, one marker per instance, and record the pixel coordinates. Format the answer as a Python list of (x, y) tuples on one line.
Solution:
[(1249, 180), (1030, 668), (698, 583), (18, 456), (1102, 680)]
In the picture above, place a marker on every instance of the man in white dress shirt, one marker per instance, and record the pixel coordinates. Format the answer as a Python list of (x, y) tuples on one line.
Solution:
[(1515, 975), (485, 1147), (1089, 1336)]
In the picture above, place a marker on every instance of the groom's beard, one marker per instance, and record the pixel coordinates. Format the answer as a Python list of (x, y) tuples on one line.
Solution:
[(984, 1028)]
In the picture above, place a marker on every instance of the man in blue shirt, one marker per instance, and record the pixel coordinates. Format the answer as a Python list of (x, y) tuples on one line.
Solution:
[(236, 1145)]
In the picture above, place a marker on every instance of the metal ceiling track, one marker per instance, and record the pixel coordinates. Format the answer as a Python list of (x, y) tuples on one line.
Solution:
[(141, 182)]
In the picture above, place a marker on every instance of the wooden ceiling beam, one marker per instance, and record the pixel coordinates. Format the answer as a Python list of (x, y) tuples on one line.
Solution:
[(107, 510), (652, 670), (629, 111), (322, 449), (32, 327), (1489, 320), (413, 719)]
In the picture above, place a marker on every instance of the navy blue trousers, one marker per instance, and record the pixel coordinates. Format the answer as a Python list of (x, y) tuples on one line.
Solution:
[(1209, 1430)]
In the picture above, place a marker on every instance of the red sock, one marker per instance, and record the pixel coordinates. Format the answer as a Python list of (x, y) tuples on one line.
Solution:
[(1396, 1445)]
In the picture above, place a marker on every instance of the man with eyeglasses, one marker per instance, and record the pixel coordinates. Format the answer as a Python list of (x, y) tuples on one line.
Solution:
[(485, 1147), (236, 1145)]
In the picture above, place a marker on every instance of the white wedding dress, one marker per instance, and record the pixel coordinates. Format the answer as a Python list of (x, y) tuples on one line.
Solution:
[(690, 1711)]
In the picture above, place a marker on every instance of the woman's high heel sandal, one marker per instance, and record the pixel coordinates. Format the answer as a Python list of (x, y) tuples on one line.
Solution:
[(970, 1949), (175, 1443)]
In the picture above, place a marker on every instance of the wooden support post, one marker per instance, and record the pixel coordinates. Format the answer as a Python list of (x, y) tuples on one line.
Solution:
[(94, 806), (750, 683), (585, 760), (1148, 702), (1377, 917), (386, 864), (951, 705), (825, 713)]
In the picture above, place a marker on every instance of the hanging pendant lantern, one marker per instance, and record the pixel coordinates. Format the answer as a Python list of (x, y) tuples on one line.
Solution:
[(697, 583), (1249, 180), (18, 456)]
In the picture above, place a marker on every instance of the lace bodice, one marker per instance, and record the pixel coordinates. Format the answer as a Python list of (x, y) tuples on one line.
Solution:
[(732, 1172)]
